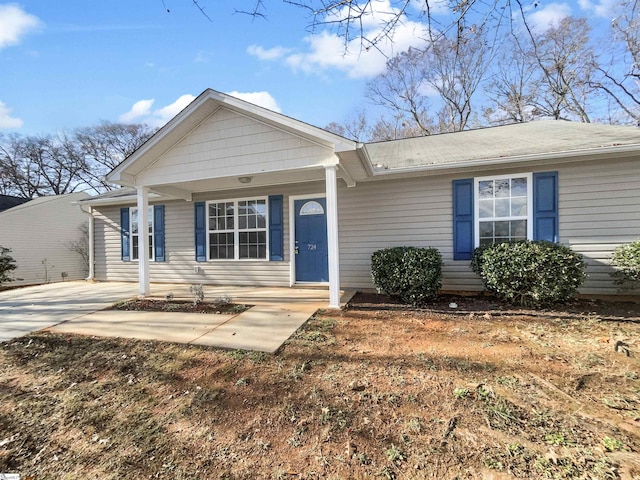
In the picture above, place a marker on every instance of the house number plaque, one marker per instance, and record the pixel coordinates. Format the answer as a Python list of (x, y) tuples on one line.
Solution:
[(312, 246)]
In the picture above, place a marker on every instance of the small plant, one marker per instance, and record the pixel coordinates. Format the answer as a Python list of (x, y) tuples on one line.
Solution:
[(612, 444), (626, 261), (530, 274), (242, 382), (7, 265), (198, 294), (461, 393), (221, 301), (412, 274), (395, 454), (558, 439)]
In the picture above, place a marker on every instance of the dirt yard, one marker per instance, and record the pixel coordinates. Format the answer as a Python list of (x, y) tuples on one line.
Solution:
[(376, 391)]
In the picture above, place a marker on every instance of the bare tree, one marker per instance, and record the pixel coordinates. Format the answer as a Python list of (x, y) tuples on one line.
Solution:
[(32, 166), (512, 90), (449, 70), (620, 76), (566, 64), (401, 90), (104, 146)]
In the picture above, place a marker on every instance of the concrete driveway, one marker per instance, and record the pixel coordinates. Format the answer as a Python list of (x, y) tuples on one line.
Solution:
[(25, 310), (78, 308)]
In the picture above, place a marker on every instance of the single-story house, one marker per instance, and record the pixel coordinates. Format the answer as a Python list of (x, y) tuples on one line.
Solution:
[(235, 194), (44, 235)]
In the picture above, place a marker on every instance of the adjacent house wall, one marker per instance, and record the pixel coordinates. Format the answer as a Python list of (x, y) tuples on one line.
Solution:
[(39, 234), (599, 208)]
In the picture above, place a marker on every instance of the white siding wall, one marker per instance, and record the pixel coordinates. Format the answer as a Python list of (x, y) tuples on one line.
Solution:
[(231, 144), (179, 246), (599, 209), (39, 232)]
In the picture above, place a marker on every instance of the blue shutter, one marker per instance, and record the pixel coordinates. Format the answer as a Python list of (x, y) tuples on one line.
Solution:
[(200, 231), (545, 206), (125, 235), (158, 232), (276, 229), (463, 228)]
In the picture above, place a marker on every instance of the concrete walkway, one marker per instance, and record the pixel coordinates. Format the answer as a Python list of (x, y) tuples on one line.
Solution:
[(277, 313)]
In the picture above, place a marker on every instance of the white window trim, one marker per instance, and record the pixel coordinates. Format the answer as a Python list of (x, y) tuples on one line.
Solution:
[(152, 258), (236, 231), (476, 203)]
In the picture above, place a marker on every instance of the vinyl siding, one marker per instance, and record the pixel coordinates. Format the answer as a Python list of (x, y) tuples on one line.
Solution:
[(229, 144), (180, 261), (39, 233), (599, 208)]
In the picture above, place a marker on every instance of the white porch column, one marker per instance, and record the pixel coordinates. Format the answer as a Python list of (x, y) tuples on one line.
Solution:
[(332, 235), (90, 247), (143, 241)]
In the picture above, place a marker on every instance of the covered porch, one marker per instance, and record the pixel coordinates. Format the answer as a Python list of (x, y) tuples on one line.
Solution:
[(263, 189)]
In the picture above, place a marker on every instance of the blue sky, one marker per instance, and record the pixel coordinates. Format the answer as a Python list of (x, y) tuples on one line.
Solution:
[(71, 63)]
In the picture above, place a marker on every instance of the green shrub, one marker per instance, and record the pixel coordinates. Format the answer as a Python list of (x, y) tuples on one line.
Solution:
[(412, 274), (531, 274), (626, 261), (7, 265)]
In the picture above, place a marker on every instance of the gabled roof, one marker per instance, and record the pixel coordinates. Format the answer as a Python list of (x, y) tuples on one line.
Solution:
[(546, 139), (201, 108), (8, 201)]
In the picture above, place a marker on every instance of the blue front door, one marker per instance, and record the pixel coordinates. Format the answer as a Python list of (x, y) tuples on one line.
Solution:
[(311, 252)]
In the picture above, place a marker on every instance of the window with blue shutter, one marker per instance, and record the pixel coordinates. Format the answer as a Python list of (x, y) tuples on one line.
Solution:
[(276, 228), (545, 206), (200, 223), (158, 232), (125, 235), (463, 226)]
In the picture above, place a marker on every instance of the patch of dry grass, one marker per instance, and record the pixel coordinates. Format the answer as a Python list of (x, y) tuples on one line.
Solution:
[(362, 394)]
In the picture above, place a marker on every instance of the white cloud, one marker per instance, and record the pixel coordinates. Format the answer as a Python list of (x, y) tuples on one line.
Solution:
[(15, 23), (202, 57), (548, 17), (267, 54), (262, 99), (141, 111), (327, 50), (6, 120), (601, 8)]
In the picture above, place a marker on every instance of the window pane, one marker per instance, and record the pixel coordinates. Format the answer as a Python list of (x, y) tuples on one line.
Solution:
[(519, 229), (519, 187), (253, 245), (486, 229), (502, 207), (485, 189), (134, 247), (134, 221), (486, 208), (221, 245), (501, 229), (502, 188), (519, 207)]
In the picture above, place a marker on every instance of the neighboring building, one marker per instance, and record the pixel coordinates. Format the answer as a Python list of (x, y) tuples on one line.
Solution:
[(239, 195), (40, 234), (8, 201)]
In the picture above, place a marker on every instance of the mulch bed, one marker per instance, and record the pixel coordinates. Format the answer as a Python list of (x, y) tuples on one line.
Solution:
[(482, 303), (185, 306)]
